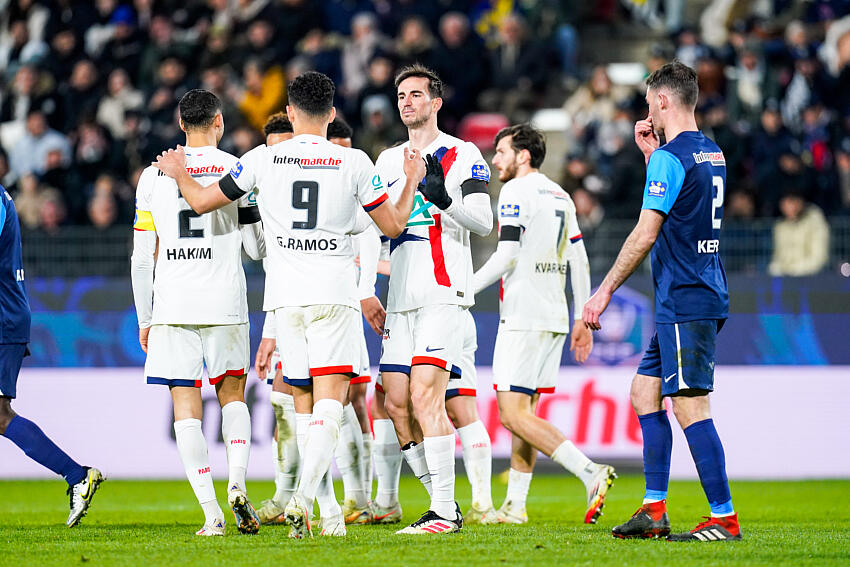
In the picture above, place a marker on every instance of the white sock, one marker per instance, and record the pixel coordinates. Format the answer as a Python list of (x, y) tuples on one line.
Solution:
[(193, 452), (319, 445), (236, 431), (478, 461), (326, 498), (440, 455), (518, 484), (302, 423), (366, 464), (569, 457), (387, 463), (286, 448), (347, 457), (415, 457)]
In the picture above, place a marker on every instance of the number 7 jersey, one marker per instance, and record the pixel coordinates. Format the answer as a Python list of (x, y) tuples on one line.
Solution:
[(198, 279)]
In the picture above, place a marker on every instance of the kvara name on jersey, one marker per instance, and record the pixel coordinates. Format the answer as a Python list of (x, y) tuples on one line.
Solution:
[(550, 268), (188, 253), (308, 244)]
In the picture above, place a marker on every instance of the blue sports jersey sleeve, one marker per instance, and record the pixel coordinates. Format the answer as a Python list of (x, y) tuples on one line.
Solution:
[(664, 177), (2, 211)]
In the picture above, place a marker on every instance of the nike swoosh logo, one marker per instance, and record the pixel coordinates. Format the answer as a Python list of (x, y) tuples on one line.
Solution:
[(390, 184), (382, 516), (429, 349), (669, 377)]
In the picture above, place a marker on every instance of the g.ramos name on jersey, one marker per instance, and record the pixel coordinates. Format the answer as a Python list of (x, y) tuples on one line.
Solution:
[(308, 244), (188, 253)]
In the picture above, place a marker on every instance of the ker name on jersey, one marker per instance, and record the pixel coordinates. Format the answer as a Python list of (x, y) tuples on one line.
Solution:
[(309, 192), (431, 259), (198, 278)]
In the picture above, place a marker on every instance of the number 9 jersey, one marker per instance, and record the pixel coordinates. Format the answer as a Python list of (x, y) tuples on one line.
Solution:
[(685, 181), (198, 278), (309, 192)]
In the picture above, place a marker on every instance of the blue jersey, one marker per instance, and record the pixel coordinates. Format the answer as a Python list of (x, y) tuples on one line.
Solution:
[(14, 306), (685, 180)]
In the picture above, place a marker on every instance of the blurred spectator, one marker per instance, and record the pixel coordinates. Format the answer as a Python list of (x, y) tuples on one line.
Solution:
[(66, 50), (747, 87), (458, 63), (842, 162), (774, 155), (29, 92), (365, 40), (171, 84), (244, 138), (800, 238), (51, 212), (264, 94), (731, 138), (517, 71), (219, 80), (28, 201), (93, 150), (380, 129), (414, 44), (808, 86), (593, 103), (29, 155), (381, 85), (66, 178), (102, 211), (740, 205), (161, 44), (82, 94), (19, 48), (121, 97), (689, 48), (217, 50), (124, 48), (295, 19), (322, 51), (260, 44)]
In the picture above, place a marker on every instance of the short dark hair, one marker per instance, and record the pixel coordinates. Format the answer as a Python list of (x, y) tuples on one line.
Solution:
[(339, 128), (198, 108), (525, 137), (278, 123), (679, 78), (312, 92), (435, 85)]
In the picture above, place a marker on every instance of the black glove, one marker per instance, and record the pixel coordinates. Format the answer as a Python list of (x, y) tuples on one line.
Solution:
[(434, 188)]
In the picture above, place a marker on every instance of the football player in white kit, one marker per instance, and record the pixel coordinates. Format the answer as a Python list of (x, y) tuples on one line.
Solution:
[(190, 296), (538, 237), (308, 191), (430, 289)]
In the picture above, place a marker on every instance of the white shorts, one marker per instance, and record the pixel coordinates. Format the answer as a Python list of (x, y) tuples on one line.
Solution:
[(423, 336), (317, 340), (177, 354), (468, 382), (364, 375), (527, 361)]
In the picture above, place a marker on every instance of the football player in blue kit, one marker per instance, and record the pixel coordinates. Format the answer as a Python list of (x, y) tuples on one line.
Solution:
[(680, 223), (14, 335)]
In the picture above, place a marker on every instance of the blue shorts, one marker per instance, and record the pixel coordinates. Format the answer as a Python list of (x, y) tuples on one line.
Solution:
[(11, 357), (682, 355)]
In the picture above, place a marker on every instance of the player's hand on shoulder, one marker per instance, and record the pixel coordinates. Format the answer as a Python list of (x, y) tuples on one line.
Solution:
[(414, 166), (262, 363), (435, 183), (171, 162), (374, 313), (581, 341), (645, 137)]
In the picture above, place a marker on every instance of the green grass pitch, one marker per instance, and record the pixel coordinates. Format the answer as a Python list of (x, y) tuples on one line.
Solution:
[(153, 523)]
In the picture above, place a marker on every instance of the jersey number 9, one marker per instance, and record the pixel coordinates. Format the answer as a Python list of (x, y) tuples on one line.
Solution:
[(305, 196)]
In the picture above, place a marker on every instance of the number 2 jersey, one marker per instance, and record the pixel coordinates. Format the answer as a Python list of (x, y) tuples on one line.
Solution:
[(431, 259), (685, 181), (309, 192), (533, 294), (198, 278)]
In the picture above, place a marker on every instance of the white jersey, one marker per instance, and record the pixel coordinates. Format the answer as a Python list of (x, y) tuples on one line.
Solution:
[(198, 278), (533, 293), (431, 260), (308, 191)]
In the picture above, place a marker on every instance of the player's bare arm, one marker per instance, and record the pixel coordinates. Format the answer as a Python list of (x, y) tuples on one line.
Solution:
[(634, 250), (262, 362), (390, 217), (202, 199)]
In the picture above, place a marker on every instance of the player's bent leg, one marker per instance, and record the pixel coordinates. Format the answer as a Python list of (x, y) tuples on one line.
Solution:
[(387, 454), (691, 407), (477, 457), (427, 394)]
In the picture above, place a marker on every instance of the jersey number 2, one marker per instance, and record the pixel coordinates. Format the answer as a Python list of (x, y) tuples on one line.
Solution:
[(717, 202), (305, 196)]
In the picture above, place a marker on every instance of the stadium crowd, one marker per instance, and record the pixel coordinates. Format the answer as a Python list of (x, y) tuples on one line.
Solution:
[(88, 89)]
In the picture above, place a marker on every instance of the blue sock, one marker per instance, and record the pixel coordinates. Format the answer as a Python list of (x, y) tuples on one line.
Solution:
[(657, 448), (707, 451), (32, 441)]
